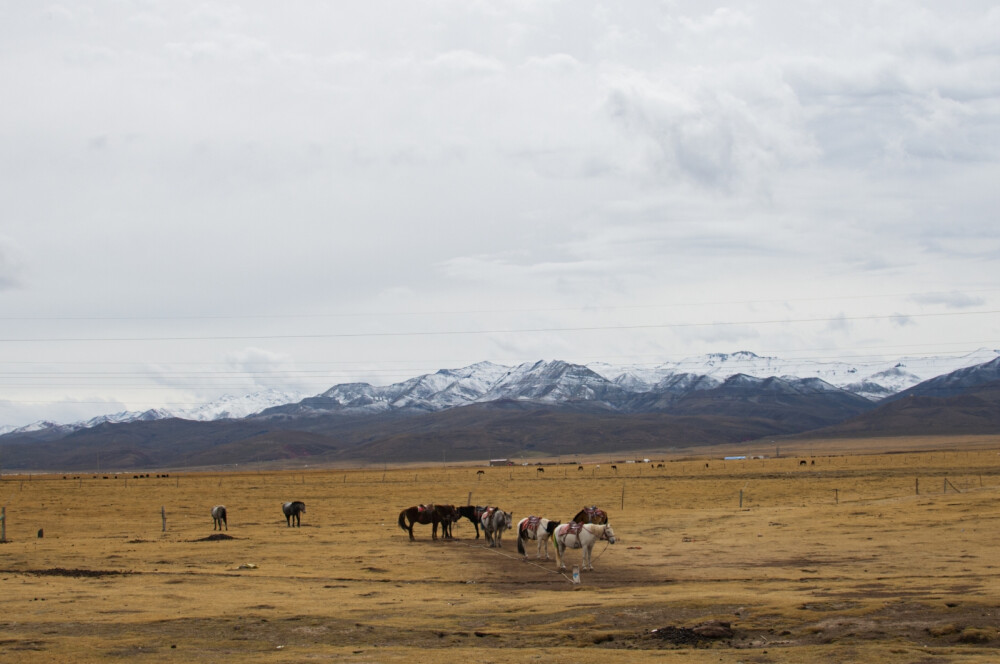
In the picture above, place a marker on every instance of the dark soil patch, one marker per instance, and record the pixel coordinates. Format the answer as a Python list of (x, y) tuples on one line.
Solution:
[(76, 573), (697, 636), (215, 538)]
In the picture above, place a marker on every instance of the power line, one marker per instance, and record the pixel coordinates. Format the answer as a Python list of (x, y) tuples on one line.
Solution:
[(449, 312), (783, 353), (426, 333)]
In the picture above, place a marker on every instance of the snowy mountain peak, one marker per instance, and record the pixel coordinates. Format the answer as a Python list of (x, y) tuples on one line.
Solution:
[(602, 385)]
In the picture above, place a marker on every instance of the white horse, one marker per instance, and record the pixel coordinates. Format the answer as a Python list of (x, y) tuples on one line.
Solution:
[(538, 529), (585, 538), (219, 517), (494, 521)]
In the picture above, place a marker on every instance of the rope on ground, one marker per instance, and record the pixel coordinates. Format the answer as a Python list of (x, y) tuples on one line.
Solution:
[(524, 560)]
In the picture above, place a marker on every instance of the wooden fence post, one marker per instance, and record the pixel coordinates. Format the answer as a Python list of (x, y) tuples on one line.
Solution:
[(3, 524), (163, 515)]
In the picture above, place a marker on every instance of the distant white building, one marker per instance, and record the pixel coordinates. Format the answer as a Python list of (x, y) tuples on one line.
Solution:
[(501, 462)]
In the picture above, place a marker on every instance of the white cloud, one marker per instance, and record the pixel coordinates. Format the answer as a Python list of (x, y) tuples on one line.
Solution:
[(711, 128), (170, 162), (12, 265), (557, 62), (466, 62), (951, 300)]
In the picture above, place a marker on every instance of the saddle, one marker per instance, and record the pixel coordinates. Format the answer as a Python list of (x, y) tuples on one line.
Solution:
[(531, 525), (573, 528), (487, 513), (594, 512), (425, 508)]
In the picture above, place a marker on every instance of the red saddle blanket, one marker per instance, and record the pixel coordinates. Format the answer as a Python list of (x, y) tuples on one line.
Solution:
[(531, 525)]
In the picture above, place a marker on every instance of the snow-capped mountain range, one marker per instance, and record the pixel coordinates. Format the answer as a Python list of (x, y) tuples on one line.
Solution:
[(226, 407), (561, 382)]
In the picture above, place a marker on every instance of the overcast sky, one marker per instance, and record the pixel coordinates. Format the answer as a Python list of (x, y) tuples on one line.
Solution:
[(199, 198)]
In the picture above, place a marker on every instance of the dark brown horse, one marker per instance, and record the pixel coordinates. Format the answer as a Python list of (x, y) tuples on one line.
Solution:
[(592, 514), (432, 514)]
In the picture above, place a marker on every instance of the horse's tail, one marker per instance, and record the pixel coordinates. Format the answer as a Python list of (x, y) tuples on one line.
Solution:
[(520, 544), (402, 519)]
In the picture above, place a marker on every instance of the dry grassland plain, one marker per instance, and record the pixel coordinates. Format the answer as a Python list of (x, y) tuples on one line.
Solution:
[(845, 558)]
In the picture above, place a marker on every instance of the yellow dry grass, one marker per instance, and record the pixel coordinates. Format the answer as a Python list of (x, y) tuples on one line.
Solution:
[(837, 560)]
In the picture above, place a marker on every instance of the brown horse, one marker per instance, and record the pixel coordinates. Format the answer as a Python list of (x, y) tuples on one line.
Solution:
[(432, 514), (592, 514)]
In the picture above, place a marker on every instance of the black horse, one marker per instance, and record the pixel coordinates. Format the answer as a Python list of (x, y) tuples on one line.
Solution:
[(293, 511), (472, 513), (219, 517)]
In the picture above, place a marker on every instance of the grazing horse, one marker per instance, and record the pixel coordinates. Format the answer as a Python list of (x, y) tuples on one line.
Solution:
[(472, 513), (293, 511), (432, 514), (580, 536), (494, 521), (219, 517), (538, 529), (592, 514)]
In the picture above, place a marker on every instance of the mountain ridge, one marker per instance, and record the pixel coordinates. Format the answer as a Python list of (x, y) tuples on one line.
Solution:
[(793, 403)]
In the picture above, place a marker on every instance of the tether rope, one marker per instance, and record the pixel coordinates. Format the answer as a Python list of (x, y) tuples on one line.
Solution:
[(525, 560)]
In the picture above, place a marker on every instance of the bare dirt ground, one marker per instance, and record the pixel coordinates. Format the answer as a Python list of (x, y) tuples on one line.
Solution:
[(854, 558)]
